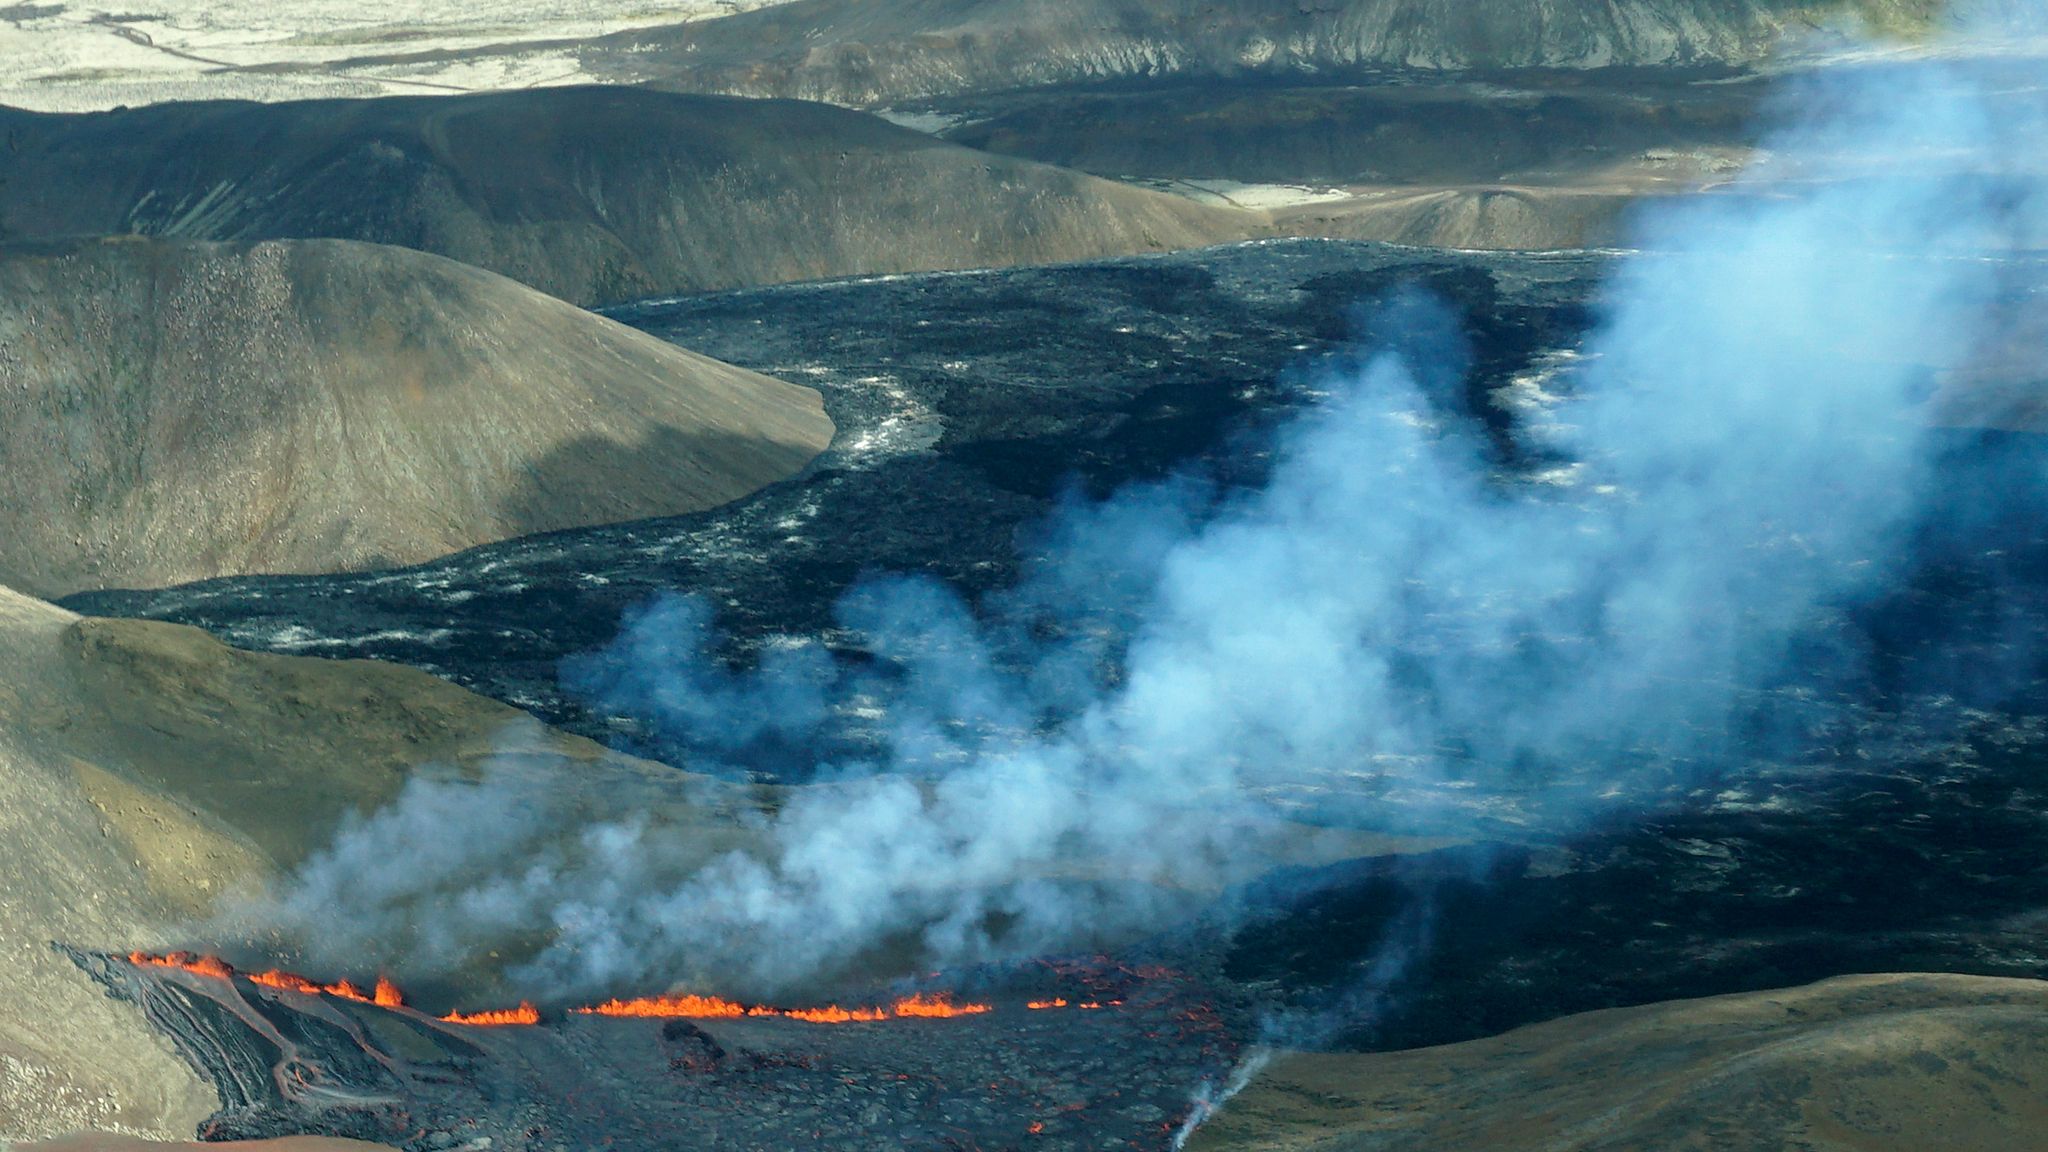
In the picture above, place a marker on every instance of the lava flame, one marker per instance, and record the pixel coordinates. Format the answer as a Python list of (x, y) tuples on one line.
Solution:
[(186, 961), (937, 1005), (833, 1014), (714, 1007), (386, 994), (691, 1007), (526, 1013)]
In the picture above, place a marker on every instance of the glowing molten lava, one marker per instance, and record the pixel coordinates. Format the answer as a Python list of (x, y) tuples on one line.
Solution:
[(938, 1005), (714, 1008), (833, 1014), (202, 965), (692, 1007), (385, 994), (526, 1013)]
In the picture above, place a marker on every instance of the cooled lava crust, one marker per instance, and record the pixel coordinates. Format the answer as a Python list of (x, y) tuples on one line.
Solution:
[(286, 1062)]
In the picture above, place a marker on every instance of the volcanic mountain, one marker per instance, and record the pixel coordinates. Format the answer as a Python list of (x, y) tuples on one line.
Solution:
[(1530, 159), (178, 410), (590, 194), (864, 53), (149, 772)]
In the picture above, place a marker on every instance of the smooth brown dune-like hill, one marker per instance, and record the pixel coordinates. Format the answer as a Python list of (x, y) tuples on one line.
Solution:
[(591, 194), (147, 772), (171, 411), (875, 52), (1895, 1063)]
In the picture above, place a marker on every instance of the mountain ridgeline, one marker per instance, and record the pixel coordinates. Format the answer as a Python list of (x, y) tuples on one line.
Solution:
[(594, 195), (864, 53)]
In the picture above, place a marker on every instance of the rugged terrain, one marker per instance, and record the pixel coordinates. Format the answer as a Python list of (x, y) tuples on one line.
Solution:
[(590, 194), (177, 410), (1540, 128), (151, 773), (862, 53), (970, 405), (1856, 1064), (1005, 1075), (92, 55), (1501, 159)]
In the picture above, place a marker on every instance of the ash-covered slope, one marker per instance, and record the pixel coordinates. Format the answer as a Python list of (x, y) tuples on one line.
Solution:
[(862, 52), (590, 194), (1539, 128), (1857, 1064), (171, 411), (147, 771)]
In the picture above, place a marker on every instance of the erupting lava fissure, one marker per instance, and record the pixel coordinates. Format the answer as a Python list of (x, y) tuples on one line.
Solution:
[(301, 1056), (526, 1013), (384, 993), (918, 1006)]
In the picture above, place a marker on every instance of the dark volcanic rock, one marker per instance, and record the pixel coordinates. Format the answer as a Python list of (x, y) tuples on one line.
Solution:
[(1540, 128), (1866, 830), (1792, 876), (590, 194), (966, 405), (1120, 1075)]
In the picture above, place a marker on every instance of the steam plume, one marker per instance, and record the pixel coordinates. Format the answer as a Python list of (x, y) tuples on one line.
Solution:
[(1389, 630)]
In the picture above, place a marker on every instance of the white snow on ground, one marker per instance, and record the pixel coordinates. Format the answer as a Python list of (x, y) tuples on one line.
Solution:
[(1230, 193), (56, 55)]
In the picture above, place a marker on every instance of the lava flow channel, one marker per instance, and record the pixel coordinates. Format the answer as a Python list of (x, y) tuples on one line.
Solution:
[(385, 994), (919, 1006)]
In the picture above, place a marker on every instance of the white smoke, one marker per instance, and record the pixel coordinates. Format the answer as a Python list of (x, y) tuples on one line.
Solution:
[(1210, 1099), (1748, 422)]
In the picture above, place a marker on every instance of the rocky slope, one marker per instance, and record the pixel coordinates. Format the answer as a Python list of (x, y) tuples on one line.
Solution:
[(148, 772), (171, 411), (1559, 129), (1857, 1064), (590, 194), (863, 53)]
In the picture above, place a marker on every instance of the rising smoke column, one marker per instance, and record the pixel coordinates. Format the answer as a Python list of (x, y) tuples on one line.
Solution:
[(1747, 424)]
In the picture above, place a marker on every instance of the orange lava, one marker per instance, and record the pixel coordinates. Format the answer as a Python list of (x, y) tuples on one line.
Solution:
[(833, 1014), (386, 994), (285, 980), (347, 990), (526, 1013), (203, 965), (933, 1006), (719, 1008), (694, 1007)]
